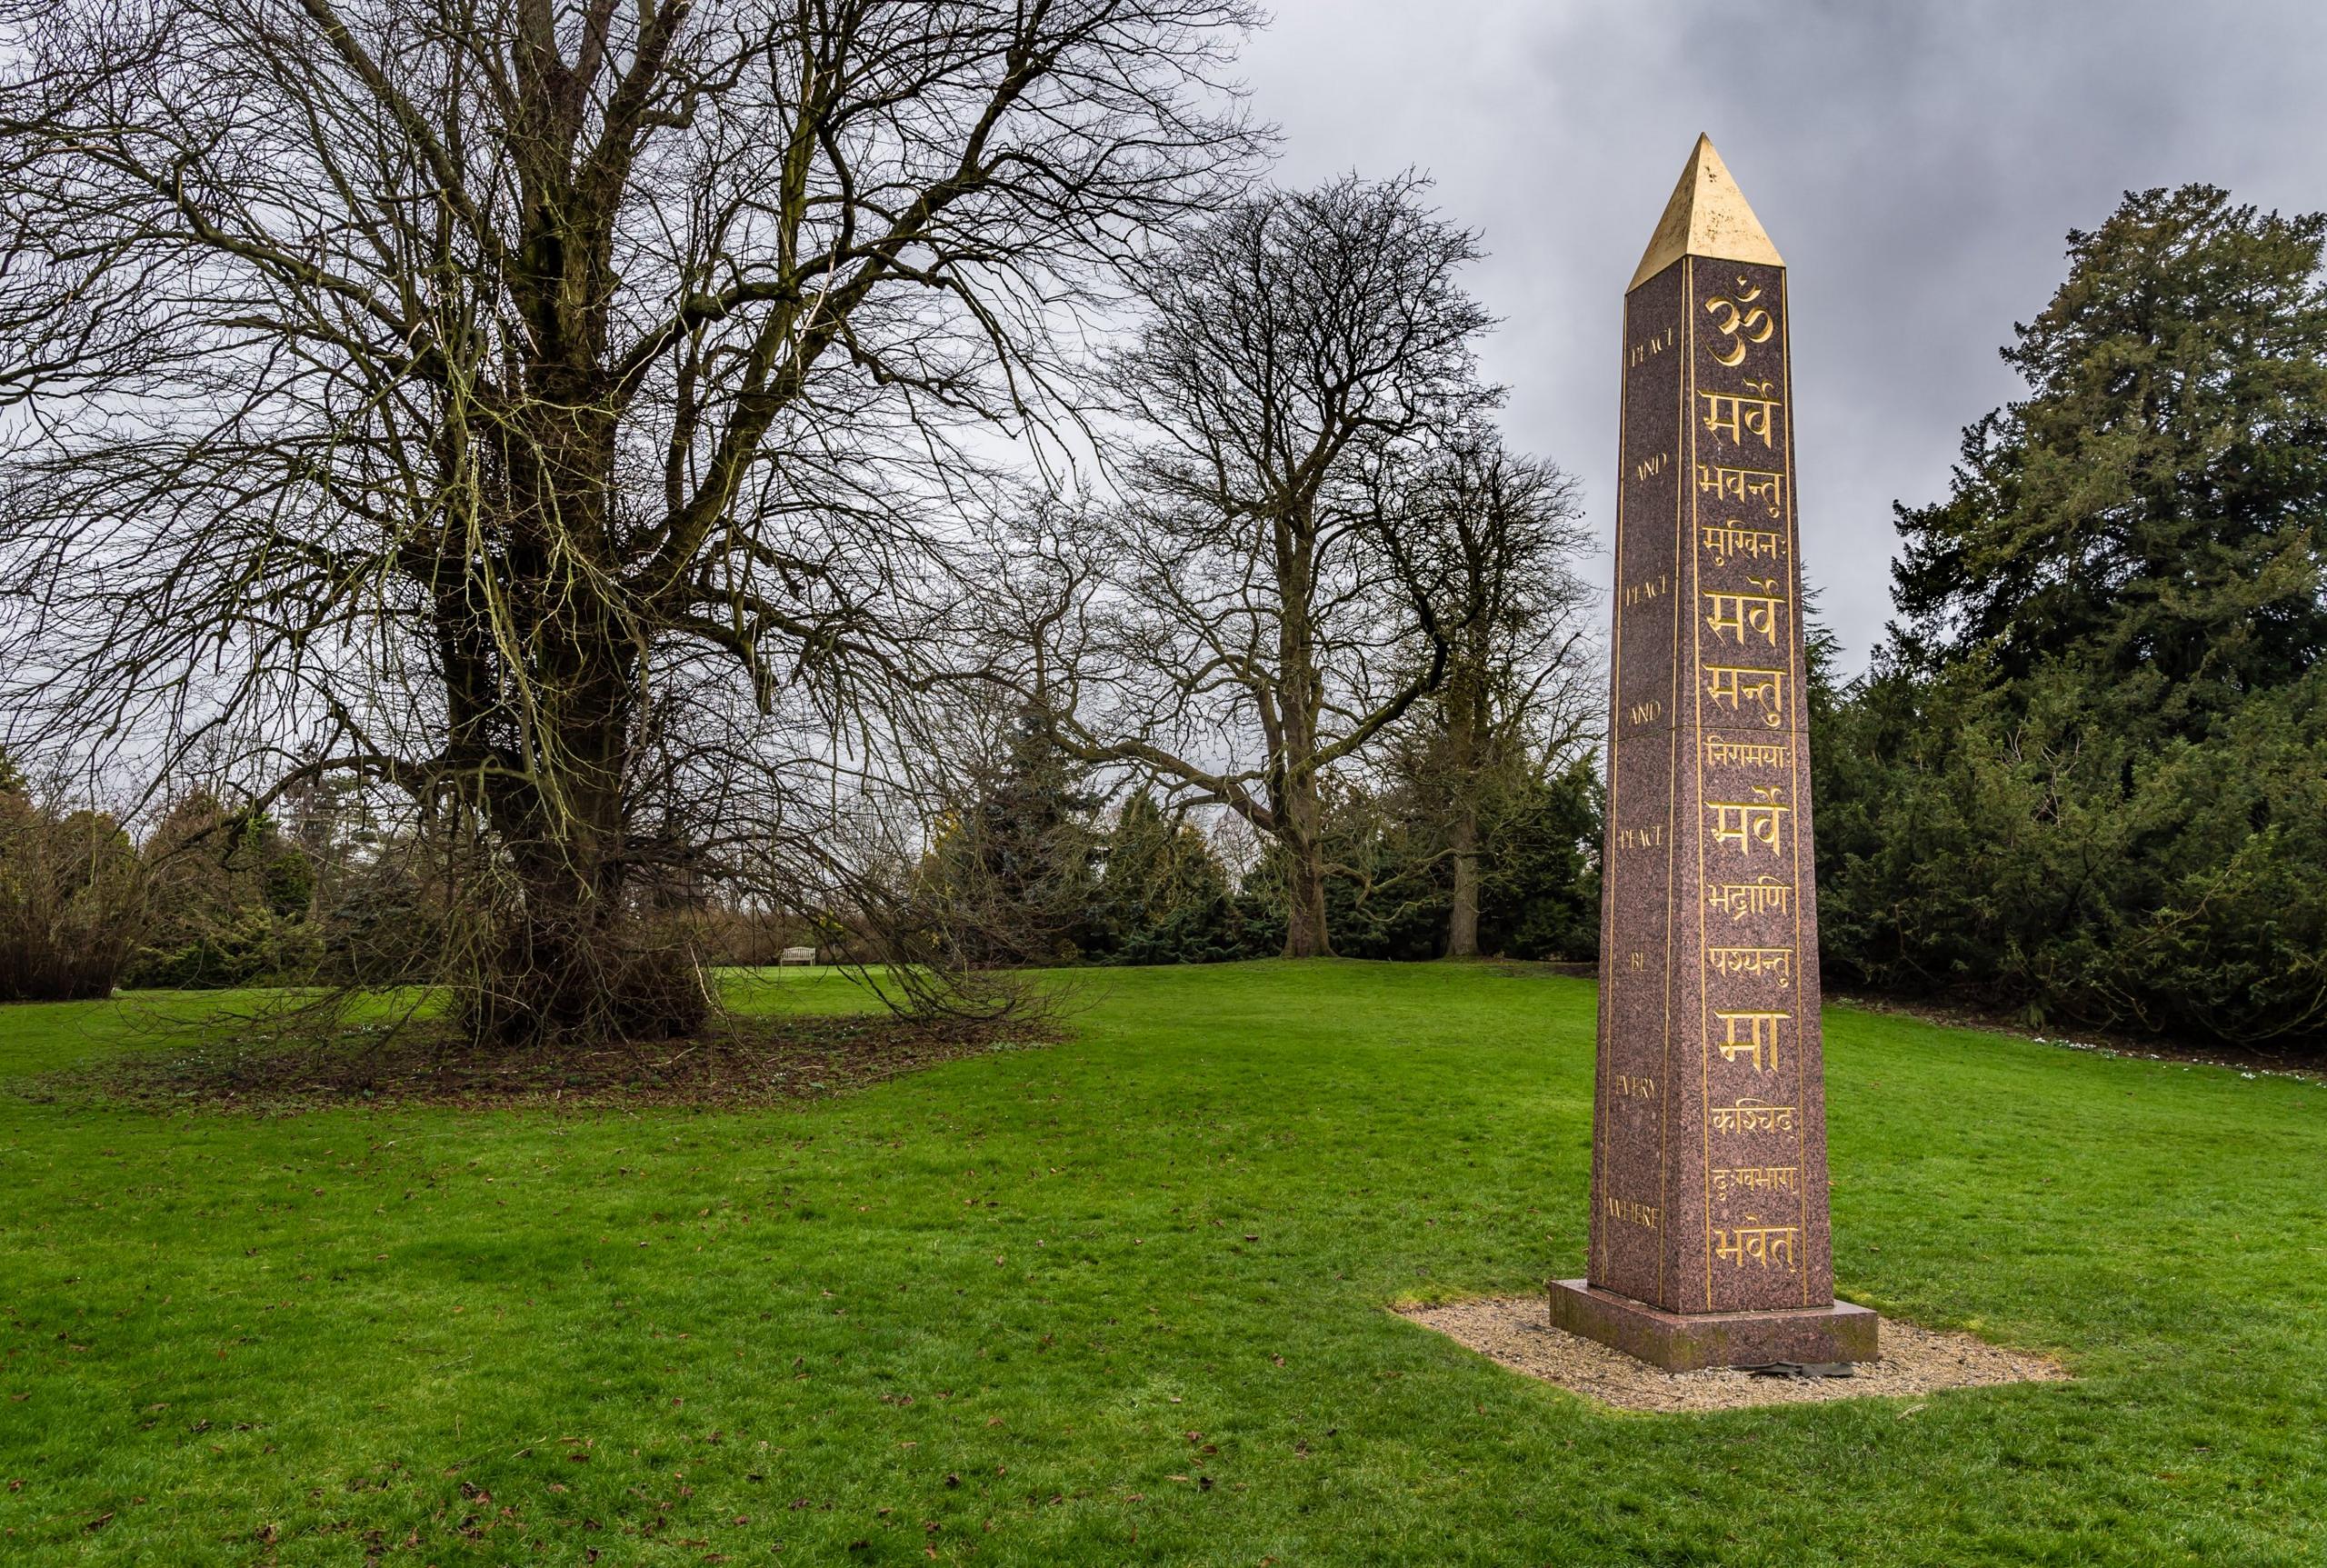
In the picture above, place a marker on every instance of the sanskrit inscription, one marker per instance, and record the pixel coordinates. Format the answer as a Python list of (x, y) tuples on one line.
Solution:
[(1765, 1246), (1765, 895), (1751, 1115), (1752, 1036), (1708, 1183), (1760, 484), (1721, 751), (1746, 825), (1726, 1179), (1741, 321), (1727, 542), (1740, 415), (1744, 615), (1771, 962), (1748, 690)]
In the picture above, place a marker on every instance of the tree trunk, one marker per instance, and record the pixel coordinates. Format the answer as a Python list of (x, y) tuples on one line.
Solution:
[(1462, 919), (572, 958), (1301, 699), (1302, 810), (569, 952), (1465, 746), (1305, 903)]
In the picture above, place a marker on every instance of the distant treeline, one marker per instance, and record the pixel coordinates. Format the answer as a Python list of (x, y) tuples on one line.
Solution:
[(1032, 869), (2084, 779)]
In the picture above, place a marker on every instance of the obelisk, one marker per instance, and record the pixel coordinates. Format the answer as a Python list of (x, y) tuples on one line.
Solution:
[(1709, 1237)]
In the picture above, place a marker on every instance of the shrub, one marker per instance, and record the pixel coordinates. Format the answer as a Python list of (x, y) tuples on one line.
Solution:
[(69, 900)]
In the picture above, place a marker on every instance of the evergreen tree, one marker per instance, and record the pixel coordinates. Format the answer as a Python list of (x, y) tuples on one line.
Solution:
[(228, 901), (1013, 877), (2155, 510), (2087, 777), (1540, 897), (1164, 897)]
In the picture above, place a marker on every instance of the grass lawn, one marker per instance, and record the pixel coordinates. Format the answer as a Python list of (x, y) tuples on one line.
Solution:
[(1119, 1300)]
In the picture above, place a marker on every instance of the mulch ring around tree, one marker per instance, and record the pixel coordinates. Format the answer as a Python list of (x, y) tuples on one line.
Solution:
[(736, 1062), (1517, 1331)]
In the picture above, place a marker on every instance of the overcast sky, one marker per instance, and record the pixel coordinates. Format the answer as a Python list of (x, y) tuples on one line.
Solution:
[(1917, 165)]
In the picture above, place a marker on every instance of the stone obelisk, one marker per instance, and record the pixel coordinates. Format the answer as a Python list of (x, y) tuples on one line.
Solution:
[(1709, 1237)]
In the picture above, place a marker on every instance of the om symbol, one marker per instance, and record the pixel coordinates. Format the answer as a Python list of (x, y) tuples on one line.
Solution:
[(1743, 322)]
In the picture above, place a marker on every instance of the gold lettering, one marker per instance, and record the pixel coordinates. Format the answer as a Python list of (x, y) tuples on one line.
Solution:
[(1650, 346), (1741, 414), (1741, 825), (1737, 685), (1743, 613), (1652, 467), (1760, 1045), (1631, 1087), (1751, 1115), (1648, 838), (1741, 484), (1645, 712), (1765, 895), (1745, 753), (1726, 540), (1640, 593), (1755, 1178), (1741, 321), (1631, 1212), (1759, 1244), (1774, 962)]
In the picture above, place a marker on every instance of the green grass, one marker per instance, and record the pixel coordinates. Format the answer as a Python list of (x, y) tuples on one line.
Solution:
[(1011, 1310)]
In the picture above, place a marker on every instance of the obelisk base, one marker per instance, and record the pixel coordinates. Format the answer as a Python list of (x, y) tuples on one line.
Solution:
[(1684, 1342)]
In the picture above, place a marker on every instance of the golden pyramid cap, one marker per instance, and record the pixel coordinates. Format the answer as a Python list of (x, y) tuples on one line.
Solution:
[(1707, 217)]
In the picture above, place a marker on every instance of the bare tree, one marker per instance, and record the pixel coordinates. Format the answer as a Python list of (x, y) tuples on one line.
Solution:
[(459, 394), (1300, 353), (1495, 534)]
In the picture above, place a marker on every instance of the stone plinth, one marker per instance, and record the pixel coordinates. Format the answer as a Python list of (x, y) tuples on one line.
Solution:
[(1709, 1237), (1683, 1342)]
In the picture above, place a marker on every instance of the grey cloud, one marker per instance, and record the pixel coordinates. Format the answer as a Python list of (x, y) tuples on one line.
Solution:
[(1917, 165)]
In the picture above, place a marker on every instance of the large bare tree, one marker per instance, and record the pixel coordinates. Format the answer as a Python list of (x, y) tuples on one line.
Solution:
[(1496, 536), (1300, 355), (462, 394)]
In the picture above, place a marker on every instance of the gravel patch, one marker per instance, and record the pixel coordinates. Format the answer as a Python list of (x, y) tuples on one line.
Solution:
[(1517, 1331)]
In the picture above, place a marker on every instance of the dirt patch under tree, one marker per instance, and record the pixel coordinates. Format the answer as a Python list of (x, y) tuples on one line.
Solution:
[(745, 1062)]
